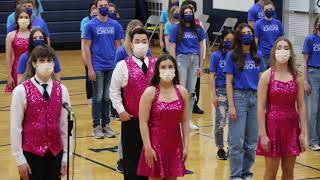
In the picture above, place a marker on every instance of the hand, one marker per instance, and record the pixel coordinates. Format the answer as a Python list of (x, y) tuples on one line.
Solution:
[(92, 74), (185, 154), (302, 142), (265, 142), (232, 113), (161, 44), (10, 81), (199, 72), (63, 169), (307, 88), (125, 116), (215, 101), (24, 171), (150, 156)]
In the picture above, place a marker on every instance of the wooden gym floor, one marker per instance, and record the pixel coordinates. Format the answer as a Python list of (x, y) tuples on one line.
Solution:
[(96, 159)]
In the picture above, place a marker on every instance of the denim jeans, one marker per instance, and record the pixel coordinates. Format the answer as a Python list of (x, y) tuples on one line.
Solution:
[(243, 134), (188, 65), (220, 116), (313, 107), (100, 99)]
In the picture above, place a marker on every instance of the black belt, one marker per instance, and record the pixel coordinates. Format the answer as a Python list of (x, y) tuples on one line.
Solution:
[(315, 67)]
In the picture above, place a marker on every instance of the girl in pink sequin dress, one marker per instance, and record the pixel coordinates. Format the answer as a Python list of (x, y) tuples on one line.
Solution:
[(281, 112), (164, 124), (17, 43)]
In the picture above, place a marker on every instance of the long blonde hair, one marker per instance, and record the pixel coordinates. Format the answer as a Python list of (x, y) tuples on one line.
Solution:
[(171, 15), (133, 24), (292, 61)]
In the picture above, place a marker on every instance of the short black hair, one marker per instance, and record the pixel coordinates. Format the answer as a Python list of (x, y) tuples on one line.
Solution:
[(191, 2), (138, 31)]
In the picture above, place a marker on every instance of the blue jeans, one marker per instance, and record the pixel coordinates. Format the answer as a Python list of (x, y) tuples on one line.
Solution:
[(188, 64), (243, 134), (100, 99), (221, 116), (313, 107)]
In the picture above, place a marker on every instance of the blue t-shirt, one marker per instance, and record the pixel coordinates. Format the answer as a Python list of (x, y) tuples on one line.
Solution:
[(10, 20), (36, 23), (190, 41), (249, 77), (255, 12), (311, 47), (164, 16), (122, 54), (217, 63), (23, 61), (83, 24), (167, 28), (267, 32), (103, 36)]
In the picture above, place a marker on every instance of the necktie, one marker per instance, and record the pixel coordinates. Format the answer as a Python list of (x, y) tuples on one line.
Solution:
[(45, 93), (144, 67)]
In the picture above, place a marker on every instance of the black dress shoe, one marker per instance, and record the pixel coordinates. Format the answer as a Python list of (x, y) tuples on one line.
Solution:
[(197, 110)]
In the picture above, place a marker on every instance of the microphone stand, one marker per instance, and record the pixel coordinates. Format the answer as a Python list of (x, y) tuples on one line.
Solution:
[(70, 127)]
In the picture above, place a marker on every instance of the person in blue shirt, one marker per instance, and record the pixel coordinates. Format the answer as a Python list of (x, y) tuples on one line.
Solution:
[(101, 39), (266, 31), (39, 9), (243, 69), (187, 47), (113, 14), (174, 19), (218, 89), (255, 13), (37, 37), (125, 49), (311, 62), (164, 18), (36, 21)]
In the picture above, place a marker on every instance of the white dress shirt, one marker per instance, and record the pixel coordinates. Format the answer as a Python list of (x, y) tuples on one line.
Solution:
[(120, 80), (17, 110)]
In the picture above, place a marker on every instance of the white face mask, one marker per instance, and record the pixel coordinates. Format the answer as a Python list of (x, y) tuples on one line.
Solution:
[(45, 69), (282, 55), (140, 50), (167, 74), (23, 23)]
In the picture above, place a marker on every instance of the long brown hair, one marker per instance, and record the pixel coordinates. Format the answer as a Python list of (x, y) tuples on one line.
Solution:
[(171, 15), (133, 24), (292, 60), (315, 24), (238, 54), (182, 24), (42, 51), (16, 17)]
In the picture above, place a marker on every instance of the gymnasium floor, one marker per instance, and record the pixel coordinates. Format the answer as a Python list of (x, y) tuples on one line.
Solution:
[(95, 159)]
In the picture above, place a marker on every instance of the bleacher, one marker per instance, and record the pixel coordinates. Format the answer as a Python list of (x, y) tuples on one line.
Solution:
[(63, 19)]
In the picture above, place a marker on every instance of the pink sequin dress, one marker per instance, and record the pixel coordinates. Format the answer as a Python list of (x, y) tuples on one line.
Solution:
[(282, 119), (165, 137), (19, 46)]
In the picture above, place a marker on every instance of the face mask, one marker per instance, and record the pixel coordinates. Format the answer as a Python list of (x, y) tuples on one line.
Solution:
[(282, 55), (29, 11), (227, 44), (103, 11), (167, 74), (188, 17), (140, 50), (176, 15), (45, 69), (269, 13), (247, 39), (112, 15), (37, 42), (23, 23), (175, 3)]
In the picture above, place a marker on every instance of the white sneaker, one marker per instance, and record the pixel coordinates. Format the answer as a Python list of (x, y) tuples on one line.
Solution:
[(315, 147), (193, 127), (90, 102)]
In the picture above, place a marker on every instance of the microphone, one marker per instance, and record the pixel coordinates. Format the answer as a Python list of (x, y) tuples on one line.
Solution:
[(67, 107)]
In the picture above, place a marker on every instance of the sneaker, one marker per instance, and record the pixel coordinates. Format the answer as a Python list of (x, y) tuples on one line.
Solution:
[(221, 154), (197, 110), (90, 101), (314, 147), (108, 132), (248, 178), (114, 114), (97, 132), (120, 166), (193, 127)]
